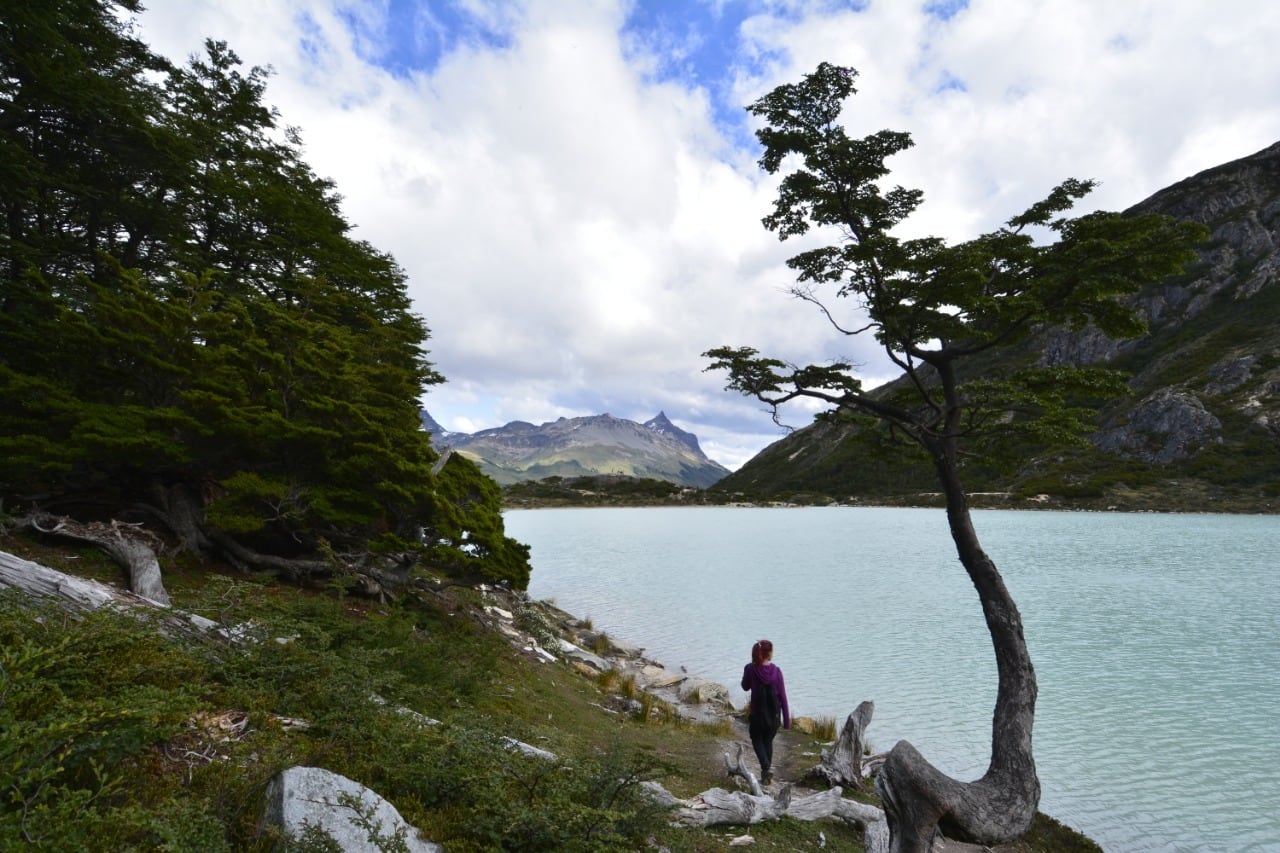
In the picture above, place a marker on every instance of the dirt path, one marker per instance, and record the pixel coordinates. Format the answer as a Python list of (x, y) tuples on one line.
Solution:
[(790, 763)]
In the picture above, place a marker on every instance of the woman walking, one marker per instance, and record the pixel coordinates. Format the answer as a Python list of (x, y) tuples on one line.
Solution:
[(769, 707)]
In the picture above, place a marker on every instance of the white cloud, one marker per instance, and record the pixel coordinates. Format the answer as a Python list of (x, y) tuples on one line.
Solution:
[(577, 229)]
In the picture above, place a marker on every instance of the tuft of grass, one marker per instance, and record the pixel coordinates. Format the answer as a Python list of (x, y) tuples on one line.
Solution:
[(824, 728), (601, 644), (609, 681), (648, 709)]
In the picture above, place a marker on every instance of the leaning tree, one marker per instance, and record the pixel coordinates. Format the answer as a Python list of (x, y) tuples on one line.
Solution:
[(951, 317)]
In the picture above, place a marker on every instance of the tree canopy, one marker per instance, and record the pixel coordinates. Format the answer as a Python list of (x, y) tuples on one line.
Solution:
[(950, 317), (935, 308), (191, 336)]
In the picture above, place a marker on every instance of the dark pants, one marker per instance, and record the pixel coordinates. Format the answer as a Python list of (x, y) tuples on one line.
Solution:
[(762, 735)]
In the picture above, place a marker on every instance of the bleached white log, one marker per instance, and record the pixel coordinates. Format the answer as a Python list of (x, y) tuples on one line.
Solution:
[(130, 545), (529, 750), (42, 582), (735, 766), (842, 764), (718, 807), (82, 595)]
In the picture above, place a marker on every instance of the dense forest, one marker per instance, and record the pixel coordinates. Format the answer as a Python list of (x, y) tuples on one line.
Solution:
[(195, 351)]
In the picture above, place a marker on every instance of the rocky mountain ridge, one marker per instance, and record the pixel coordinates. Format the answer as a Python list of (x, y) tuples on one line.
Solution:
[(584, 446), (1203, 419)]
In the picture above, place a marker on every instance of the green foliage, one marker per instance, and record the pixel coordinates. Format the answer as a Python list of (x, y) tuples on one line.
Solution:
[(486, 797), (469, 536), (183, 310), (935, 308), (77, 699), (601, 490), (108, 741)]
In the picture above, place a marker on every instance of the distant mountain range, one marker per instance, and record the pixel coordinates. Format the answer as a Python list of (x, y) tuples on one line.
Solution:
[(1201, 429), (586, 446)]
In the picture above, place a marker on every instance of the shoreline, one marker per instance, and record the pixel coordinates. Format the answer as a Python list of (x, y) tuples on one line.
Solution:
[(1112, 510), (702, 701), (593, 653)]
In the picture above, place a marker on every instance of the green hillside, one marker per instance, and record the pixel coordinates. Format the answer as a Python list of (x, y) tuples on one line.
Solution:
[(1200, 427)]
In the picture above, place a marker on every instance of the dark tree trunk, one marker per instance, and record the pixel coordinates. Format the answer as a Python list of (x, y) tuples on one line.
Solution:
[(181, 510), (998, 808)]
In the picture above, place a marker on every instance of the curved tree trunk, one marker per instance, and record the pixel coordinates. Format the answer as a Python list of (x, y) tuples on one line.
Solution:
[(130, 545), (918, 798)]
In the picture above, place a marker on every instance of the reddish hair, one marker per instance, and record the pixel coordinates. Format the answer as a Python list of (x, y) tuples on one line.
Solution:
[(761, 651)]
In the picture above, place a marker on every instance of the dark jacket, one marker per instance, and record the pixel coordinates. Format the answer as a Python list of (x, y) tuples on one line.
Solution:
[(754, 676)]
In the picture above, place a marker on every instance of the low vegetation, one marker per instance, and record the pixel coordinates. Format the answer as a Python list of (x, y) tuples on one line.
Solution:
[(599, 490), (118, 737), (1083, 483)]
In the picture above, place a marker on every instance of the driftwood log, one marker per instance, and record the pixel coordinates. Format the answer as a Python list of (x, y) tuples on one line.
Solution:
[(842, 764), (77, 594), (718, 807), (131, 546), (80, 595)]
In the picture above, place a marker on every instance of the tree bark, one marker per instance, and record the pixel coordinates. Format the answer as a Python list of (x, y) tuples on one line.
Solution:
[(130, 545), (920, 800), (180, 509), (718, 807), (842, 764), (80, 595)]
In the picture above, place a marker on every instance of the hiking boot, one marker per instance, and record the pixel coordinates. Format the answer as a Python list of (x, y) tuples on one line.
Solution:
[(767, 778)]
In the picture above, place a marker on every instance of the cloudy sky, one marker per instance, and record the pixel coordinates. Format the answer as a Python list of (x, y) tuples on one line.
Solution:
[(571, 185)]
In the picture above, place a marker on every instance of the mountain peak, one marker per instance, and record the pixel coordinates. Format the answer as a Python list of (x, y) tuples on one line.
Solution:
[(591, 445), (662, 425)]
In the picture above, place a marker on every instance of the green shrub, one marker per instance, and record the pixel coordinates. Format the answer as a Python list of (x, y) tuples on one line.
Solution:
[(531, 619), (78, 696)]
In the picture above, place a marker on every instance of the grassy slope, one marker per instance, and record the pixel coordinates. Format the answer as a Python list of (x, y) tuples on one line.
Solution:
[(187, 735), (1237, 474)]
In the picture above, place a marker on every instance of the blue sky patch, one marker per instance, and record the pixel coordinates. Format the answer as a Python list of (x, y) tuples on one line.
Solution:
[(945, 10), (948, 82), (311, 40), (694, 44), (412, 36)]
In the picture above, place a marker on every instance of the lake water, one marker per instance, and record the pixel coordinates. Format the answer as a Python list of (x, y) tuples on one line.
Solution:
[(1156, 641)]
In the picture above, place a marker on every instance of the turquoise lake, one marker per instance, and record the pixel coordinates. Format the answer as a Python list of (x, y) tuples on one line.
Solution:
[(1156, 641)]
